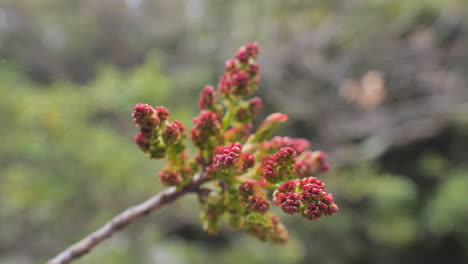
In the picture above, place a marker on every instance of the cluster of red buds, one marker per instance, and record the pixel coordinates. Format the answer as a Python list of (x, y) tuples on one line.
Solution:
[(253, 197), (154, 137), (279, 167), (241, 74), (306, 196), (239, 162)]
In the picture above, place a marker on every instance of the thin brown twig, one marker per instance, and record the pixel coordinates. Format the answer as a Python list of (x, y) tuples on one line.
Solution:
[(131, 214)]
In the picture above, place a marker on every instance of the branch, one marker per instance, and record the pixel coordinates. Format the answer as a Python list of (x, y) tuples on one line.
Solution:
[(131, 214)]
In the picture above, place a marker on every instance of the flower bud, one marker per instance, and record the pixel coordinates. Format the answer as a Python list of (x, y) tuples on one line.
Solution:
[(170, 178), (225, 156), (247, 161), (207, 98), (162, 113), (255, 106), (145, 116), (142, 142)]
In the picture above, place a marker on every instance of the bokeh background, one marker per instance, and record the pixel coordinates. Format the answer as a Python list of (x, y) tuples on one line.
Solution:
[(379, 85)]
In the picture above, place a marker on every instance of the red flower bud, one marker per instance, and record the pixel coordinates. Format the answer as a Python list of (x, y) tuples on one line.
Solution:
[(242, 55), (145, 117), (142, 142), (258, 204), (285, 156), (252, 49), (253, 69), (287, 186), (246, 188), (310, 193), (255, 106), (289, 202), (207, 97), (225, 156), (240, 80), (162, 112), (230, 65), (206, 120), (224, 84), (268, 169), (173, 131), (170, 178), (248, 161)]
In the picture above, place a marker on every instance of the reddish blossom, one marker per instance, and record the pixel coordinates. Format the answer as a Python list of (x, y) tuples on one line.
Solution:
[(285, 156), (252, 49), (174, 131), (253, 197), (289, 202), (247, 188), (255, 106), (224, 84), (240, 80), (253, 69), (207, 97), (321, 161), (287, 186), (258, 204), (225, 156), (206, 120), (145, 117), (230, 65), (268, 169), (311, 191), (306, 195), (170, 178), (248, 161), (312, 180), (162, 112), (142, 142)]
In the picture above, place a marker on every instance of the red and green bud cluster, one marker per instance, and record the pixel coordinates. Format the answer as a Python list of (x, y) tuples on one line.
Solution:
[(253, 197), (241, 74), (207, 98), (157, 136), (145, 117), (266, 227), (207, 133), (239, 163), (280, 166), (247, 111), (225, 160), (212, 205), (169, 178), (306, 196)]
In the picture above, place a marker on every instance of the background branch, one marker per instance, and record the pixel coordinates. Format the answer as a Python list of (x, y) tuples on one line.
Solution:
[(131, 214)]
